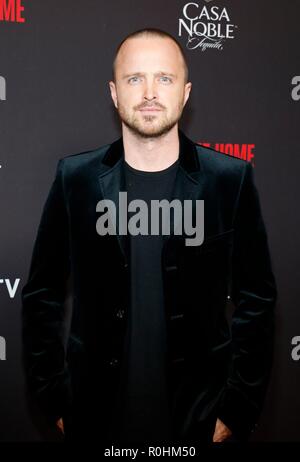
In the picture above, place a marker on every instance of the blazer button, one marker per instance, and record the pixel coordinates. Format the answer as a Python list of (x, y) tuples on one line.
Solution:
[(120, 313), (114, 362)]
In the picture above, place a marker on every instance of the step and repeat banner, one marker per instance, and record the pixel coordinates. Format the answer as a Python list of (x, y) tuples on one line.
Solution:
[(55, 64)]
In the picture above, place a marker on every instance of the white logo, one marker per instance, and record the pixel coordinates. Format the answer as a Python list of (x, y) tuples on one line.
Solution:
[(2, 349), (206, 27), (12, 289), (2, 88)]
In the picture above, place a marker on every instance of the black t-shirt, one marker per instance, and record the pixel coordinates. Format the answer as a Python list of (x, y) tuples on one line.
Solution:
[(142, 411)]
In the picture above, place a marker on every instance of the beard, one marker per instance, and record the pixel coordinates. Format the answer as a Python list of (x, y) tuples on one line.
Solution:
[(149, 126)]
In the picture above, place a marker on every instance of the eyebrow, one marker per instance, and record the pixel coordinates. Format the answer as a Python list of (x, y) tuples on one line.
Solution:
[(141, 74)]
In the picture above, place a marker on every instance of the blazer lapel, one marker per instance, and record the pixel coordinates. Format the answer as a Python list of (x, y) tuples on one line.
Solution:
[(112, 181), (189, 182)]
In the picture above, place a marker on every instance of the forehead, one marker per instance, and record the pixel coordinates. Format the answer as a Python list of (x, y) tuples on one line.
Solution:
[(148, 54)]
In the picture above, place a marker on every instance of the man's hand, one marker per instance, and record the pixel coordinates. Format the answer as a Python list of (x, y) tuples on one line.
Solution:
[(221, 432), (60, 425)]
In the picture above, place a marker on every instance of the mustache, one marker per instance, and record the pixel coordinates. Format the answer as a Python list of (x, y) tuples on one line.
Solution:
[(148, 104)]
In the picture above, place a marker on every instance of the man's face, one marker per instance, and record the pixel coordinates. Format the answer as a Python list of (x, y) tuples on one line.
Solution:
[(149, 91)]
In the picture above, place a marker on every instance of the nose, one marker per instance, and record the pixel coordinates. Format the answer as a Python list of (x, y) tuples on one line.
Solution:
[(150, 91)]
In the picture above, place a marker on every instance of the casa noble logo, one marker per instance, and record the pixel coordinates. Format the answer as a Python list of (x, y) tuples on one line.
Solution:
[(205, 26)]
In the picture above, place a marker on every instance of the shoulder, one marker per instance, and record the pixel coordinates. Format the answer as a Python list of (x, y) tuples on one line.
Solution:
[(223, 171), (218, 163), (82, 160), (229, 173)]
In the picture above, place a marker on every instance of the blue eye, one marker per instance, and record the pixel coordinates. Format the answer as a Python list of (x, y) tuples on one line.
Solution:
[(165, 79), (133, 79)]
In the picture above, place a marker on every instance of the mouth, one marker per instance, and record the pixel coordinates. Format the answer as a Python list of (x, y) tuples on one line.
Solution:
[(150, 109)]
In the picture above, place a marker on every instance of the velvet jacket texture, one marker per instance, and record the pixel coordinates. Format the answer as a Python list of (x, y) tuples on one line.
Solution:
[(218, 366)]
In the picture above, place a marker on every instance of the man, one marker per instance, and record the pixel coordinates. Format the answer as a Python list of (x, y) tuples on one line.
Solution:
[(150, 354)]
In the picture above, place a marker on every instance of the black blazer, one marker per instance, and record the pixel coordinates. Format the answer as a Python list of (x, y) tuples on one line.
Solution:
[(214, 368)]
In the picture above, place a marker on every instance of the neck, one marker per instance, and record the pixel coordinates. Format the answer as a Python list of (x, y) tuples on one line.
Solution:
[(151, 154)]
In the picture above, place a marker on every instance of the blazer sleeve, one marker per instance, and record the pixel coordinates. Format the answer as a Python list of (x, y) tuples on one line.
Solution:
[(43, 307), (254, 295)]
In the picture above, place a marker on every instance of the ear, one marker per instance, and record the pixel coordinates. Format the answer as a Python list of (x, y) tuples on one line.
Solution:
[(187, 90), (113, 93)]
